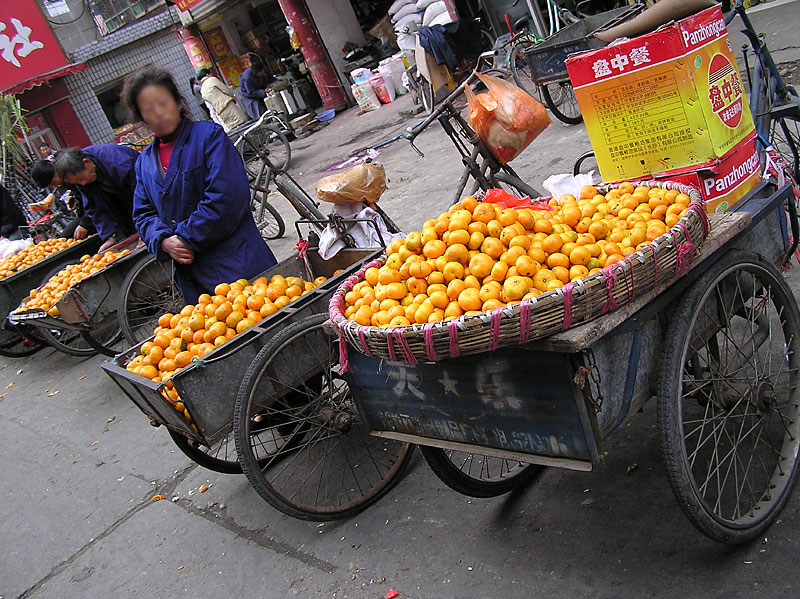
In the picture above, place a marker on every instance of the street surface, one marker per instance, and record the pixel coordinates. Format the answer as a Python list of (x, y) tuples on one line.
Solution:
[(81, 463)]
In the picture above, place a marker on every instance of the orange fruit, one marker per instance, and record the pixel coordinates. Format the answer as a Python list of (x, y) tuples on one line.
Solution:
[(561, 273), (552, 243), (223, 311), (526, 266), (541, 279), (453, 310), (244, 324), (164, 319), (457, 253), (588, 192), (557, 259), (161, 341), (480, 265), (184, 358), (222, 289), (578, 272), (452, 271), (416, 286), (469, 299), (148, 372), (492, 247), (439, 299), (434, 248), (499, 271), (489, 291), (580, 255), (507, 216), (515, 288), (484, 213), (396, 290)]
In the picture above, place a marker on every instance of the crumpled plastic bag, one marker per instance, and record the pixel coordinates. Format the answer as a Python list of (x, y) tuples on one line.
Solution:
[(361, 183), (10, 248), (565, 183), (505, 117), (504, 199)]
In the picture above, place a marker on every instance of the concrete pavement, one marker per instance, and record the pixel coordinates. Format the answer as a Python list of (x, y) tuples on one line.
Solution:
[(81, 465)]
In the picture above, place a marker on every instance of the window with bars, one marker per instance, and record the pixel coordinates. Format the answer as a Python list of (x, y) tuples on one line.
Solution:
[(110, 15)]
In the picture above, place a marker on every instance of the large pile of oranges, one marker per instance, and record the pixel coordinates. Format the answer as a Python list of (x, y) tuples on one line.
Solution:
[(198, 329), (478, 257), (45, 297), (33, 254)]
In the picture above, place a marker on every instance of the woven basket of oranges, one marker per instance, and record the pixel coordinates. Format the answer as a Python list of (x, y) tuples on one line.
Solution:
[(479, 276)]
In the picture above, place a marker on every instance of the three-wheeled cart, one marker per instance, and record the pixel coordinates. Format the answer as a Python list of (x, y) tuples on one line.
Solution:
[(110, 308), (298, 438), (718, 347), (18, 340)]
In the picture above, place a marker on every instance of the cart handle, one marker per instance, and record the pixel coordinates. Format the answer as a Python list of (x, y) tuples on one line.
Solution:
[(339, 221)]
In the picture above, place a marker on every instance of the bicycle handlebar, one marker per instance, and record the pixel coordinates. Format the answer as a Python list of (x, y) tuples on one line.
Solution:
[(735, 9)]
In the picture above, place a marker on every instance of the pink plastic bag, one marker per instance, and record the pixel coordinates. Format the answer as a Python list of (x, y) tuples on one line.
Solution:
[(506, 118)]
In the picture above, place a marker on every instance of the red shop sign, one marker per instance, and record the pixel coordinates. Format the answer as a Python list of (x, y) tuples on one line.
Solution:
[(28, 47)]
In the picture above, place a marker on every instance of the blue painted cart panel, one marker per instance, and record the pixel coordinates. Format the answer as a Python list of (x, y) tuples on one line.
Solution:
[(515, 401)]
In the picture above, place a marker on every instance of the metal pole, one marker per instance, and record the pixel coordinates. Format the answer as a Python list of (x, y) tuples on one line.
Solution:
[(538, 21), (316, 56)]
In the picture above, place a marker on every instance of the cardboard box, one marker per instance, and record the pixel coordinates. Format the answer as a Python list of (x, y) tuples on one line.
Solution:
[(724, 181), (662, 101)]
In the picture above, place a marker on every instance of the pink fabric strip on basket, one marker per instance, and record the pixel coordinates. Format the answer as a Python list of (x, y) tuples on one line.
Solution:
[(452, 329), (567, 289), (524, 321), (390, 347), (685, 253), (344, 362), (302, 248), (362, 337), (427, 333), (407, 353), (611, 280), (494, 337)]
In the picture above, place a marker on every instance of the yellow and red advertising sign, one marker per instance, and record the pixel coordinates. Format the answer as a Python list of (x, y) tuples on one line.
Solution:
[(662, 101), (184, 5)]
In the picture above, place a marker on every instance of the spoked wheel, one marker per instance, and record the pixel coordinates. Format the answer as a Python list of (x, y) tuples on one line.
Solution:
[(16, 342), (521, 69), (268, 220), (426, 94), (478, 475), (560, 99), (148, 291), (267, 139), (784, 136), (728, 405), (69, 342), (220, 457), (300, 439)]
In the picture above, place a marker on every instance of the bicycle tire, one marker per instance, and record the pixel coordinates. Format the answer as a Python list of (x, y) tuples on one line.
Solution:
[(204, 456), (444, 464), (521, 70), (574, 116), (702, 342), (270, 223), (147, 292), (262, 138)]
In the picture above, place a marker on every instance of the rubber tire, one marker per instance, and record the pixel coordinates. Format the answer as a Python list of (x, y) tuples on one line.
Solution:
[(202, 458), (240, 144), (276, 216), (556, 109), (122, 309), (251, 467), (462, 483), (521, 73), (14, 334), (669, 416)]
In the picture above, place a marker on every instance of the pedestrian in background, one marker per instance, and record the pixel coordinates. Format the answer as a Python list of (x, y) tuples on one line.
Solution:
[(44, 175), (255, 80), (194, 85), (192, 201), (104, 176), (222, 100), (11, 217)]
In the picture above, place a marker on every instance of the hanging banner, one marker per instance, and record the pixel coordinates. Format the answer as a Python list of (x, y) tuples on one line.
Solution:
[(28, 47), (196, 50), (184, 5)]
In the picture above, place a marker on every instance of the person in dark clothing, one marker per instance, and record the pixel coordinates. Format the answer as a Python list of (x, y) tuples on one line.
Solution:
[(253, 86), (44, 175), (192, 201), (194, 85), (11, 217), (105, 177)]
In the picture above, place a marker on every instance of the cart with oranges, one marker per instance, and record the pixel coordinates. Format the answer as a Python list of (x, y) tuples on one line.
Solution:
[(93, 313), (718, 346), (289, 423), (18, 339)]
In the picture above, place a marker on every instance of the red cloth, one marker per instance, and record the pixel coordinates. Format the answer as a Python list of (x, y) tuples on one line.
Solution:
[(165, 152)]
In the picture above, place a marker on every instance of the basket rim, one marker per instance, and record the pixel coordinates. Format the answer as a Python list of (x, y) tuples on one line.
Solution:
[(512, 310)]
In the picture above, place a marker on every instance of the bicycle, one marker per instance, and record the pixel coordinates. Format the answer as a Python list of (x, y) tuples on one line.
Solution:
[(268, 133), (480, 163)]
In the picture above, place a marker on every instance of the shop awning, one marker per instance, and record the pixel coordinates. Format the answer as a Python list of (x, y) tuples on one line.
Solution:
[(69, 69)]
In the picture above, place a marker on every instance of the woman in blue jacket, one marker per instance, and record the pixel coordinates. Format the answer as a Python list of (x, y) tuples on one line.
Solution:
[(192, 200)]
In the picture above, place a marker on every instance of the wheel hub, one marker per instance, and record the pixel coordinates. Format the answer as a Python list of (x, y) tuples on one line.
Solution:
[(764, 396)]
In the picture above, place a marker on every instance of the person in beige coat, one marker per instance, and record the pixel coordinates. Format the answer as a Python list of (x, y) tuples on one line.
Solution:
[(222, 100)]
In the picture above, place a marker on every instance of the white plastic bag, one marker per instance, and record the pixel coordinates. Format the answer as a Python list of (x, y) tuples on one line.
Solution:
[(409, 23), (365, 96), (406, 41), (441, 19), (434, 10), (363, 234), (559, 185), (10, 248), (398, 4)]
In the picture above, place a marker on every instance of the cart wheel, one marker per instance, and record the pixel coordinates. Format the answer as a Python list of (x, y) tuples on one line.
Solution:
[(268, 220), (18, 343), (522, 70), (784, 136), (560, 99), (298, 433), (478, 475), (147, 293), (69, 342), (728, 398), (221, 457)]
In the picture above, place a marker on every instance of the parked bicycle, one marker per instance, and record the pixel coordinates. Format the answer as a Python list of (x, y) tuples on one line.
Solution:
[(269, 134)]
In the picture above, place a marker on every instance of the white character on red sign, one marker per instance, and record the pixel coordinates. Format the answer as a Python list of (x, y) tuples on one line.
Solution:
[(8, 46), (601, 68), (619, 62), (640, 55)]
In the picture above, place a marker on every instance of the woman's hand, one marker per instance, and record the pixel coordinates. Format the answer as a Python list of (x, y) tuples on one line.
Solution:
[(80, 233), (107, 244), (175, 247)]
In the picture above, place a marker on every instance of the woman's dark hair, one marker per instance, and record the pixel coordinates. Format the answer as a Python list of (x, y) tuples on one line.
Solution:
[(43, 172), (70, 162), (150, 75), (202, 73)]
